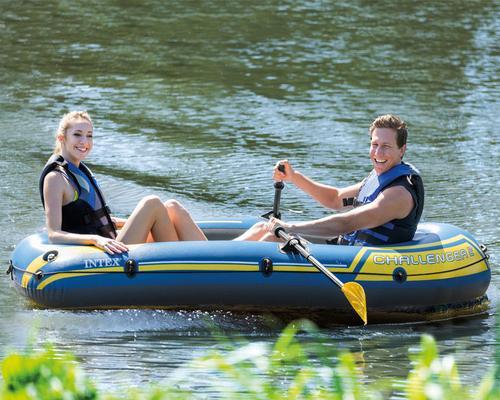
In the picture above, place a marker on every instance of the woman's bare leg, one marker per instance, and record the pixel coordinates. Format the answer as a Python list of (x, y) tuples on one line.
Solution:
[(184, 224), (149, 216), (269, 237), (256, 232)]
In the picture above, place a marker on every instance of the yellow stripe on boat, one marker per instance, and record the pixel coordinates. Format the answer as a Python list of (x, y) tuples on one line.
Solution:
[(358, 257), (452, 261), (76, 273), (34, 266), (198, 267), (307, 268), (149, 268), (182, 268)]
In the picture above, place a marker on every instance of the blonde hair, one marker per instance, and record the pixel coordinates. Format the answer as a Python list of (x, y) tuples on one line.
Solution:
[(392, 122), (65, 123)]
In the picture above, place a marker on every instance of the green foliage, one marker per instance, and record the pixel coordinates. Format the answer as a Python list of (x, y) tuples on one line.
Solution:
[(284, 370), (44, 376), (289, 369), (438, 378)]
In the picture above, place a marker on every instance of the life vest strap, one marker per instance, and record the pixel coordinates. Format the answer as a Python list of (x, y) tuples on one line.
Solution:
[(350, 201), (341, 240)]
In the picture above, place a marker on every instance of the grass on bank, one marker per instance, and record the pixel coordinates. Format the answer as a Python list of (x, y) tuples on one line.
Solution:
[(256, 371)]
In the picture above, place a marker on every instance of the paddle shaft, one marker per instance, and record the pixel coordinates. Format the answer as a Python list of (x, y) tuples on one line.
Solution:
[(296, 245), (278, 187)]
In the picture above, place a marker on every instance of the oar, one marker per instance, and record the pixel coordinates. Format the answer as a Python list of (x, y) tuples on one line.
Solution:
[(353, 291), (278, 187)]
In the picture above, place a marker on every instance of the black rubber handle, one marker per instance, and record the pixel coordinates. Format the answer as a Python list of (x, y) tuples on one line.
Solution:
[(278, 187), (279, 184)]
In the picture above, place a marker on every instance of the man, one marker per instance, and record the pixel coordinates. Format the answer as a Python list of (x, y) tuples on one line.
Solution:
[(384, 208)]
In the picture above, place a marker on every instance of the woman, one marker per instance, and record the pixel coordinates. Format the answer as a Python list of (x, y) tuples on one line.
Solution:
[(75, 209)]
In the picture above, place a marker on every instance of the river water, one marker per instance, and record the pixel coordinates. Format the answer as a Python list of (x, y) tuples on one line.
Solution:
[(196, 100)]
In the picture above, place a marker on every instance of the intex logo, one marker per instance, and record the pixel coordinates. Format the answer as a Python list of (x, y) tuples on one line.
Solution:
[(102, 262)]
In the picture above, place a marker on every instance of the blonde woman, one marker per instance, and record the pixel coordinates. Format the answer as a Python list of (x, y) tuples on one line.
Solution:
[(76, 212)]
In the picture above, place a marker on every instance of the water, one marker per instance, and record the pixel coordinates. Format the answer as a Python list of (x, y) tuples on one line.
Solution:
[(198, 100)]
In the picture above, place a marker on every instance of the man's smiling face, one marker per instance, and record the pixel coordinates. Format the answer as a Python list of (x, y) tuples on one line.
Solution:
[(384, 150)]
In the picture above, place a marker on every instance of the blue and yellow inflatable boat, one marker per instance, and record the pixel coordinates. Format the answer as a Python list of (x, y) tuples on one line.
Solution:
[(442, 273)]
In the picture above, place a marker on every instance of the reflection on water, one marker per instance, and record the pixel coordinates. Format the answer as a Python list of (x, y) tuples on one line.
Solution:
[(198, 100)]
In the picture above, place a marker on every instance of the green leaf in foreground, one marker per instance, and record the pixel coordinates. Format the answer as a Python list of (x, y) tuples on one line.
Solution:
[(44, 376), (291, 369)]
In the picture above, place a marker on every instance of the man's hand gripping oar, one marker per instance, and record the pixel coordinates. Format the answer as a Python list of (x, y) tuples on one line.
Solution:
[(353, 291)]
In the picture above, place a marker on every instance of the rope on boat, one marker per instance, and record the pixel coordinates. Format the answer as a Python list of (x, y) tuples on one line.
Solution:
[(10, 269)]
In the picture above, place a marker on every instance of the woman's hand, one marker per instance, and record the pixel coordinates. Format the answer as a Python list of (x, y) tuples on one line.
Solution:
[(110, 246), (283, 176)]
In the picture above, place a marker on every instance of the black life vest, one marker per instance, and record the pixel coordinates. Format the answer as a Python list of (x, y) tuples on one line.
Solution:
[(88, 214), (397, 230)]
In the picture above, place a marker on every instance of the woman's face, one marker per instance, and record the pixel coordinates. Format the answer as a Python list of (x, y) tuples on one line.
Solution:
[(78, 141)]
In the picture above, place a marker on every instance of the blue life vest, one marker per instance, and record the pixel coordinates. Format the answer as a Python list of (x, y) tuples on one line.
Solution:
[(88, 213), (397, 230)]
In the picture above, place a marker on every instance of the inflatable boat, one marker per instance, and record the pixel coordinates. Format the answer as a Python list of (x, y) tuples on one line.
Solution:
[(442, 273)]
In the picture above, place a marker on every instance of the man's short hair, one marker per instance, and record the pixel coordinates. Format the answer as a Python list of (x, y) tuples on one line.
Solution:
[(392, 122)]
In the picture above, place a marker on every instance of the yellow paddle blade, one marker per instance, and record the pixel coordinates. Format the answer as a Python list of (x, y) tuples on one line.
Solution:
[(355, 293)]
